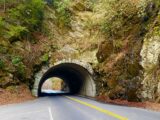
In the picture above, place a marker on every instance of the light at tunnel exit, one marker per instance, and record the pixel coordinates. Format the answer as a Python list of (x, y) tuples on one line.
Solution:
[(54, 85)]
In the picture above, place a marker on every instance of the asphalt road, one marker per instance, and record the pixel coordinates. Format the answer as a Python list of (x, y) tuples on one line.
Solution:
[(72, 108)]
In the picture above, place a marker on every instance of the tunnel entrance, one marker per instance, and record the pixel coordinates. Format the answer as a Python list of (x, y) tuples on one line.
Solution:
[(78, 78)]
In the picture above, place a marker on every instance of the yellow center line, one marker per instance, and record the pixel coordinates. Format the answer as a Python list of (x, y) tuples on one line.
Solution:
[(98, 109)]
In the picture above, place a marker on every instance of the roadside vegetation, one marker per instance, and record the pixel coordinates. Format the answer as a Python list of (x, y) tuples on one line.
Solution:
[(24, 41), (19, 20)]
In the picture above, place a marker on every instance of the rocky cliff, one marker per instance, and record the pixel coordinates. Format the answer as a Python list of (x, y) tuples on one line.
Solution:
[(120, 39), (129, 58)]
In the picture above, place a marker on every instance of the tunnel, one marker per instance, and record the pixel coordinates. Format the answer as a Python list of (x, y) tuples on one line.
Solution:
[(79, 80)]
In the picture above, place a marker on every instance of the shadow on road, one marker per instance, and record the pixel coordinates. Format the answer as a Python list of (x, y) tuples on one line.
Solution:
[(54, 94)]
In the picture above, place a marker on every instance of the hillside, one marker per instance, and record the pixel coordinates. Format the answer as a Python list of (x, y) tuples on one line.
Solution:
[(120, 39)]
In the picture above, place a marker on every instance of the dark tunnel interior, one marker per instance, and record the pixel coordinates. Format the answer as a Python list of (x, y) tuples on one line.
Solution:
[(73, 75)]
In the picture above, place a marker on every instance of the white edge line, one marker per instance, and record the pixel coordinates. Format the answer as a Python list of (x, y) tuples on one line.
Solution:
[(50, 113)]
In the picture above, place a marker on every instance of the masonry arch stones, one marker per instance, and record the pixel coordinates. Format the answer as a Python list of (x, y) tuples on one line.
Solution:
[(78, 75)]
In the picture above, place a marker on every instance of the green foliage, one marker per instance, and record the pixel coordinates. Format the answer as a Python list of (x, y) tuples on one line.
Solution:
[(9, 1), (2, 24), (45, 57), (16, 60), (118, 44), (23, 19), (3, 49), (157, 30), (15, 32), (20, 69), (142, 7), (29, 14), (2, 64), (62, 12), (19, 65), (119, 14), (89, 4), (19, 22), (12, 88)]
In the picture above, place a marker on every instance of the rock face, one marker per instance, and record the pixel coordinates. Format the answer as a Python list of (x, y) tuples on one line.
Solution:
[(122, 45), (150, 55), (77, 42), (105, 50), (129, 63), (150, 61), (150, 52)]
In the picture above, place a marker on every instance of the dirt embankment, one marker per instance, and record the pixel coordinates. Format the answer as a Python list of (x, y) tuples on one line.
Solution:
[(145, 105), (15, 95)]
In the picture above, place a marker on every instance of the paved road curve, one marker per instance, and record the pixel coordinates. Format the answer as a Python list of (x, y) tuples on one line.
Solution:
[(72, 108)]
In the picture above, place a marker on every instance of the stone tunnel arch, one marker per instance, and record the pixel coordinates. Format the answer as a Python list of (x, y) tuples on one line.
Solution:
[(77, 75)]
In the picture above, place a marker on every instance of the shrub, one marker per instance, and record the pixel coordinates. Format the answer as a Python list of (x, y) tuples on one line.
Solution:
[(20, 67), (119, 14), (89, 4), (62, 12), (16, 60), (26, 17), (16, 32), (28, 14), (45, 57), (2, 64), (2, 24), (12, 89)]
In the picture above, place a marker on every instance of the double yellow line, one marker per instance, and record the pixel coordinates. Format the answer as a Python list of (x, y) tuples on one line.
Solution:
[(98, 109)]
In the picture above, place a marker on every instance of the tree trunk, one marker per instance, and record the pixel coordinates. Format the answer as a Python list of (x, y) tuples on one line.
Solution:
[(4, 6)]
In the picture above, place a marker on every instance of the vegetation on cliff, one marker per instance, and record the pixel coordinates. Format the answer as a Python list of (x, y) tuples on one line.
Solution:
[(109, 34), (126, 27), (19, 21), (25, 44)]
